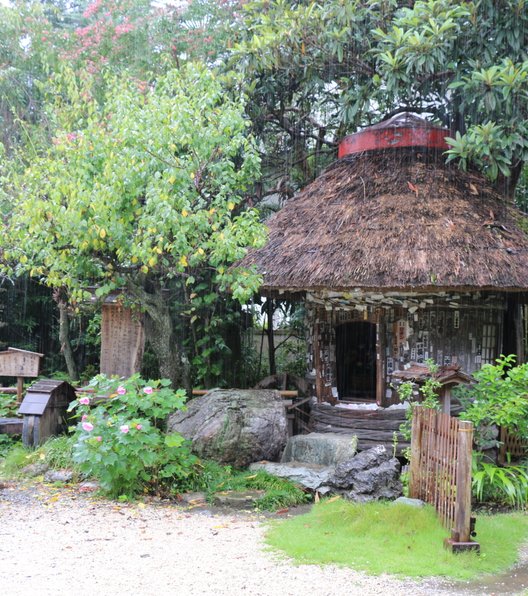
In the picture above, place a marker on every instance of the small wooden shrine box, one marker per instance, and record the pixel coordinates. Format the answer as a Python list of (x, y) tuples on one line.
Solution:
[(44, 409)]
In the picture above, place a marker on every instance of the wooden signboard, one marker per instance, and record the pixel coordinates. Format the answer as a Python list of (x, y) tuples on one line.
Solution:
[(122, 340), (20, 364)]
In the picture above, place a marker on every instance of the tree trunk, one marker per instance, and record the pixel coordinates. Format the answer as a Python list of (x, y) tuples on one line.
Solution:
[(159, 332), (64, 338)]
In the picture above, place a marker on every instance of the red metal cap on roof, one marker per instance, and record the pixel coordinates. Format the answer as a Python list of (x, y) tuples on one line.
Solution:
[(402, 130)]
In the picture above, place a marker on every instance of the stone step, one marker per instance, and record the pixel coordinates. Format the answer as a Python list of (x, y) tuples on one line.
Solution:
[(322, 449), (311, 476)]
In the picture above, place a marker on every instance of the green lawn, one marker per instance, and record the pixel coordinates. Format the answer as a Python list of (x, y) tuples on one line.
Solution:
[(396, 539)]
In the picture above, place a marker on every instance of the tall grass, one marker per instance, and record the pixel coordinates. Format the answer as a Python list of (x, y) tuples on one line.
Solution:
[(56, 452), (278, 492)]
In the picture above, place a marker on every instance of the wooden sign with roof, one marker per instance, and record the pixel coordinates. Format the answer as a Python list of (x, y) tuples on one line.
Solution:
[(399, 258)]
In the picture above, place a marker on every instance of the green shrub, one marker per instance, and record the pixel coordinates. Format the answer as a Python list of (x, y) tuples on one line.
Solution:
[(499, 398), (8, 405), (6, 444), (503, 485), (120, 439)]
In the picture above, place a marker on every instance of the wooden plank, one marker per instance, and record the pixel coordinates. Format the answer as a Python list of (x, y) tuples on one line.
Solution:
[(11, 426), (122, 340)]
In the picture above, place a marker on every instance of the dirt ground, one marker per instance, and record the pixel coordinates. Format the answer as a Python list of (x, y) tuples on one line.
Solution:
[(56, 541)]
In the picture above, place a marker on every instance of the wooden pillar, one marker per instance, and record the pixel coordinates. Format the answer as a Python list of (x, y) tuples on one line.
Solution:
[(20, 389), (463, 482), (319, 380), (380, 359)]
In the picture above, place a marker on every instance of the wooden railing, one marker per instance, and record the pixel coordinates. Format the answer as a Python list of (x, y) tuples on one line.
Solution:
[(440, 471)]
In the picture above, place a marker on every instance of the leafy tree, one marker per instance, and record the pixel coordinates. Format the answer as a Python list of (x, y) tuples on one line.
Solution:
[(319, 70), (146, 192)]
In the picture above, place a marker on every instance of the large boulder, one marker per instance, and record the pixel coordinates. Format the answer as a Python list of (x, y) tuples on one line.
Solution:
[(369, 476), (234, 426)]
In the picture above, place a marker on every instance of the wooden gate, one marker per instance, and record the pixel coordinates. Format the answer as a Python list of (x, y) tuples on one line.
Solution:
[(440, 471)]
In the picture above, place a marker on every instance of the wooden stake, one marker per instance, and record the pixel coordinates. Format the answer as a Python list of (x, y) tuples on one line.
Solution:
[(20, 389)]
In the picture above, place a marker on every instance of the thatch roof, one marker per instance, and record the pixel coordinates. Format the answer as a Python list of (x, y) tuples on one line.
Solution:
[(395, 220)]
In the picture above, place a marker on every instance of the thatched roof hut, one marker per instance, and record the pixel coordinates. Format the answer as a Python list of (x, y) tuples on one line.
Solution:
[(396, 220), (401, 258)]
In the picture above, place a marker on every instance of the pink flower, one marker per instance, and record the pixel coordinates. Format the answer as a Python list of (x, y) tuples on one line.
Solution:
[(84, 401), (124, 429), (84, 417), (87, 426), (99, 438), (148, 390), (120, 390), (139, 426)]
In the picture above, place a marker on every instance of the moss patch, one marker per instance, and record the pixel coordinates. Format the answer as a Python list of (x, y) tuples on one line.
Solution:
[(397, 539)]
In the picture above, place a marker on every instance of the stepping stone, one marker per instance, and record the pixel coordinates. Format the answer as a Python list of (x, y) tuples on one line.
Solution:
[(238, 500)]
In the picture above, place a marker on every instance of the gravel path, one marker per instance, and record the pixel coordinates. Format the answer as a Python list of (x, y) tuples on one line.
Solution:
[(63, 541)]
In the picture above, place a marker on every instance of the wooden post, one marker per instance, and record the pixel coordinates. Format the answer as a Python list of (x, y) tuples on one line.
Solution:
[(319, 381), (416, 448), (20, 389), (463, 481), (380, 360), (445, 399)]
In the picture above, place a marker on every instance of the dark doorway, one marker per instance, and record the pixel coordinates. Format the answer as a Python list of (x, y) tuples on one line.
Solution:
[(356, 360)]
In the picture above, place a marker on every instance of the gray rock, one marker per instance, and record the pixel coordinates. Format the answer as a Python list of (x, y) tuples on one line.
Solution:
[(325, 449), (369, 476), (36, 469), (418, 503), (234, 427), (310, 476), (58, 476)]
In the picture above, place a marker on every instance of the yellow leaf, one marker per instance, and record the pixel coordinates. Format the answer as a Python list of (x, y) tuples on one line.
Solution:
[(102, 233), (172, 179), (183, 261), (144, 269), (230, 205), (134, 259), (152, 261), (201, 251), (211, 211), (185, 213)]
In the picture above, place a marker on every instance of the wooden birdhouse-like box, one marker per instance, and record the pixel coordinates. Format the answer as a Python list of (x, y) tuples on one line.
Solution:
[(44, 409)]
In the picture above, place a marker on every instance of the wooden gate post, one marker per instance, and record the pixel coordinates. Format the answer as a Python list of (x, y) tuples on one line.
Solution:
[(416, 448), (463, 490)]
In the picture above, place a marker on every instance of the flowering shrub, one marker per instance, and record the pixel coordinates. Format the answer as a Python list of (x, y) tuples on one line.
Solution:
[(120, 438)]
